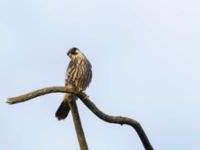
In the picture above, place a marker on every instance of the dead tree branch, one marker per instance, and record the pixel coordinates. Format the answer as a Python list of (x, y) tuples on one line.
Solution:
[(85, 99), (78, 125)]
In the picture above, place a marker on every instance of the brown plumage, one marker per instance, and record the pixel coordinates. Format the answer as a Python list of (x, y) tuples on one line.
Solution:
[(78, 77)]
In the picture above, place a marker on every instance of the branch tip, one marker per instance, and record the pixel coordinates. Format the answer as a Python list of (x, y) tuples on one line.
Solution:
[(9, 101)]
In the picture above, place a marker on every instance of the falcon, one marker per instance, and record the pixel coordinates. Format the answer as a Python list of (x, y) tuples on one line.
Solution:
[(78, 77)]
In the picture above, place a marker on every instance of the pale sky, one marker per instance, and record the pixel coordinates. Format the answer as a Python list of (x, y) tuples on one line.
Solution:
[(145, 57)]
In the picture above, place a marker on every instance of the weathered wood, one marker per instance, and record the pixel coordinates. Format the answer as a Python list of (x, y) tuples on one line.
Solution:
[(78, 126), (85, 99)]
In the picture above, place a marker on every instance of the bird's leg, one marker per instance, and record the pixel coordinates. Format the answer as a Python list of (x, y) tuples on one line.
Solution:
[(79, 89)]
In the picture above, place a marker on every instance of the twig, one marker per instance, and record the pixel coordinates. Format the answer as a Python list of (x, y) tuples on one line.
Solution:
[(85, 99)]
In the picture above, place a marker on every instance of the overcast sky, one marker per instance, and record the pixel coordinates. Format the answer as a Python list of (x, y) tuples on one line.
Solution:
[(145, 57)]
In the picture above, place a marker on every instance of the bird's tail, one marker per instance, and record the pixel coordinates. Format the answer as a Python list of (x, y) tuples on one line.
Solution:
[(63, 109)]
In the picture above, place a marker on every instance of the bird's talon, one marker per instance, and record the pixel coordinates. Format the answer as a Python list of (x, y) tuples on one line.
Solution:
[(80, 90), (86, 97)]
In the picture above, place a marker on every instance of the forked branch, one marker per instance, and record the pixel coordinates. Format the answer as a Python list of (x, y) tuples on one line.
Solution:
[(85, 99)]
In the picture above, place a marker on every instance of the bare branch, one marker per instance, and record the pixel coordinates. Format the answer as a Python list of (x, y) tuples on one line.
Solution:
[(117, 119), (85, 99), (37, 93), (78, 126)]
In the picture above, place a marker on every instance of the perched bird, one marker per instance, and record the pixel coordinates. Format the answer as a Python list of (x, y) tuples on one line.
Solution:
[(78, 78)]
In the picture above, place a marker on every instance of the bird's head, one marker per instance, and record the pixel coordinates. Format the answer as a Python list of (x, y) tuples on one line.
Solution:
[(74, 53)]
